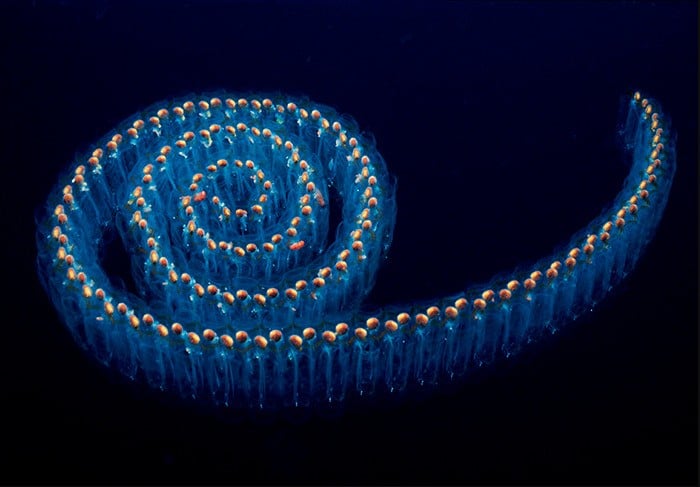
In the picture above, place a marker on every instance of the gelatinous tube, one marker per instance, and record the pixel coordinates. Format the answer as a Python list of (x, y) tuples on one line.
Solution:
[(240, 297)]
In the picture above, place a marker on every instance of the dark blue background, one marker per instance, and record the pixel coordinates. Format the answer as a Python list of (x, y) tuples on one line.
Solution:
[(499, 120)]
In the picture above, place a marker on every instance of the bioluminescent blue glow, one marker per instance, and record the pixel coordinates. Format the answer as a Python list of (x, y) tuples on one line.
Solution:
[(241, 293)]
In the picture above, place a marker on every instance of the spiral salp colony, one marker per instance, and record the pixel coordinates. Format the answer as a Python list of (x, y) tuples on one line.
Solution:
[(240, 295)]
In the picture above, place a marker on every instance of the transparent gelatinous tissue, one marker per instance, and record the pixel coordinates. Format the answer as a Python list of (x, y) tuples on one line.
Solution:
[(238, 288)]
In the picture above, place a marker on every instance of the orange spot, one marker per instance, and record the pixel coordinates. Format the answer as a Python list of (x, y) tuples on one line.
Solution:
[(260, 341), (296, 340), (87, 291), (309, 333), (372, 323), (241, 336), (227, 341), (341, 328), (199, 289), (361, 333), (134, 321), (275, 335), (391, 325)]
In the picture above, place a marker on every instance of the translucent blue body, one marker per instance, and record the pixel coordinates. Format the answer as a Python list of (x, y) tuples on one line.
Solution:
[(242, 298)]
